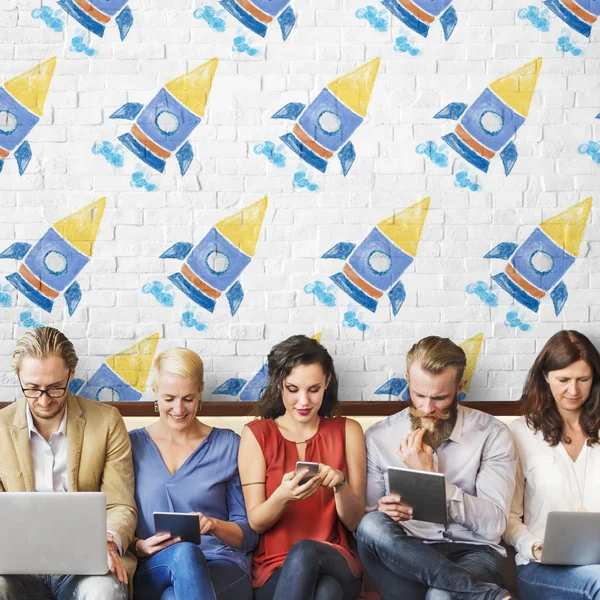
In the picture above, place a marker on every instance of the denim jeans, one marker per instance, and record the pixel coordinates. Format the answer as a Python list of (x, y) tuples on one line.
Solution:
[(311, 571), (549, 582), (62, 587), (181, 572), (405, 568)]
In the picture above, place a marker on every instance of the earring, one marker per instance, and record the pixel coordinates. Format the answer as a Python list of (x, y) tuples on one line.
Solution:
[(199, 409), (156, 407)]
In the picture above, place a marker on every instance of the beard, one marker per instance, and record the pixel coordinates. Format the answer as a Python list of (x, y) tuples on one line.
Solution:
[(50, 414), (438, 427)]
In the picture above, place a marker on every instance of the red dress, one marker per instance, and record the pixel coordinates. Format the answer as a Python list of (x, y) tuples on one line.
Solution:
[(313, 518)]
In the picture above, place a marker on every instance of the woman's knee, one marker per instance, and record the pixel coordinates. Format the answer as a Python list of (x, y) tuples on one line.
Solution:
[(303, 554), (185, 553), (373, 528), (328, 588)]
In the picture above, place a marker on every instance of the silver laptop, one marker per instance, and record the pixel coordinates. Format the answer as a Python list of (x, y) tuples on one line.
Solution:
[(572, 539), (53, 533)]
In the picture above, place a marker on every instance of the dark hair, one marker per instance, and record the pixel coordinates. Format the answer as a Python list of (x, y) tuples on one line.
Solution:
[(561, 350), (296, 350)]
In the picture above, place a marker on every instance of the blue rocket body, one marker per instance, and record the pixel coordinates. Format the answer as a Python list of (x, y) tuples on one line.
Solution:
[(249, 391), (107, 386), (95, 15), (257, 15), (419, 15)]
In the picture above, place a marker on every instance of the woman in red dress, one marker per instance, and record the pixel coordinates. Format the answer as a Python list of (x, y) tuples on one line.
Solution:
[(304, 551)]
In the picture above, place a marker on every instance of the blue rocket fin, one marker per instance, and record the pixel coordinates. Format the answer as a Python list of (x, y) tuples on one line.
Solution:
[(449, 20), (179, 250), (286, 20), (397, 295), (128, 111), (235, 295), (18, 250), (1, 165), (231, 387), (509, 157), (124, 22), (185, 156), (73, 297), (393, 387), (453, 111), (347, 156), (76, 385), (23, 156), (341, 250), (559, 296), (290, 111), (598, 116), (504, 250)]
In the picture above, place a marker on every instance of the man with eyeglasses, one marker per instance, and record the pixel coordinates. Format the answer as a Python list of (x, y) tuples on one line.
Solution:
[(53, 441)]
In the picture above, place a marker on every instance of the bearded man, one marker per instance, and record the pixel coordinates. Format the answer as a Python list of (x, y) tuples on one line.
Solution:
[(415, 560)]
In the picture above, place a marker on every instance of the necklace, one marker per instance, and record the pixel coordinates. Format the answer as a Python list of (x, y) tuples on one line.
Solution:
[(580, 489)]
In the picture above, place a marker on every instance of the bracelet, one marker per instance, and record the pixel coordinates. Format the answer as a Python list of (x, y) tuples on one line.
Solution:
[(135, 550), (536, 546), (339, 485)]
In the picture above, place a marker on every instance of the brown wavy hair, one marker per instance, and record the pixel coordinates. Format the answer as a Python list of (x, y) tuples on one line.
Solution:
[(296, 350), (539, 407)]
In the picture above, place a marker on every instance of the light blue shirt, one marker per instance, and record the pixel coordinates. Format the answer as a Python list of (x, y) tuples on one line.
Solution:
[(479, 464), (207, 482)]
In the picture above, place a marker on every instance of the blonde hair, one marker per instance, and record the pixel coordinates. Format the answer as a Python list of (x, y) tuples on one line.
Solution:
[(436, 354), (179, 361), (43, 342)]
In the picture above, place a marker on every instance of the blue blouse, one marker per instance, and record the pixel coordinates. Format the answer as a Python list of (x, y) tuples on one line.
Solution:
[(207, 482)]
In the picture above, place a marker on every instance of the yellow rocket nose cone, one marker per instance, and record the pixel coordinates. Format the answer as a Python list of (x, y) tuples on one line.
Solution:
[(405, 228), (81, 228), (471, 347), (193, 88), (354, 89), (31, 87), (318, 337), (243, 228), (516, 88), (566, 228), (134, 363)]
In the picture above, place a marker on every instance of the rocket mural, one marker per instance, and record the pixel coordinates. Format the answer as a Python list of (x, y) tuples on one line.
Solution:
[(122, 377), (50, 268), (579, 15), (249, 391), (95, 15), (419, 15), (22, 101), (488, 126), (538, 265), (375, 266), (164, 125), (215, 264), (324, 127), (257, 15), (471, 347)]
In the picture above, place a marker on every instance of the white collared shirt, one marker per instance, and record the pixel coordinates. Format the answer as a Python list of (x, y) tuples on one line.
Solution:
[(49, 457), (548, 480)]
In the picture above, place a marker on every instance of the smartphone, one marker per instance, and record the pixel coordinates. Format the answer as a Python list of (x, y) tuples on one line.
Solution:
[(313, 469)]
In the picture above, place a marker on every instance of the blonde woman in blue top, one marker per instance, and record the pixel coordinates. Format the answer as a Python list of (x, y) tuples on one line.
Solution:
[(182, 465)]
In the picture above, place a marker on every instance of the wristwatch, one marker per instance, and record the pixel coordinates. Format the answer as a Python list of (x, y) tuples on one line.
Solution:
[(536, 546)]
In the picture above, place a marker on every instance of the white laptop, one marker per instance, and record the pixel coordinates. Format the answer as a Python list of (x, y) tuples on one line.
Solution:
[(53, 533), (572, 539)]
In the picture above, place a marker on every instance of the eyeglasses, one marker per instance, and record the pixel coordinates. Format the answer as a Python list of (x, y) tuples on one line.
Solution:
[(53, 392)]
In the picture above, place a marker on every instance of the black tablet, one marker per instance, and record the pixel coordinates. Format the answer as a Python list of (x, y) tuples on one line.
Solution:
[(423, 491), (182, 525)]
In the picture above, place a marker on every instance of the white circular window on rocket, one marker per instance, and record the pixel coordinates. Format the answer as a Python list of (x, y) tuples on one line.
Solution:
[(8, 122), (542, 262), (380, 262), (217, 262), (167, 122), (329, 122), (55, 262), (108, 394), (491, 122)]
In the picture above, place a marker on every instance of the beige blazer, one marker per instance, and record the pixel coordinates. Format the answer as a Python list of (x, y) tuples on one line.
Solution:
[(98, 460)]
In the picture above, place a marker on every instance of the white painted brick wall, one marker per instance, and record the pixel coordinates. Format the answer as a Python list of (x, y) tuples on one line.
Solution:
[(329, 40)]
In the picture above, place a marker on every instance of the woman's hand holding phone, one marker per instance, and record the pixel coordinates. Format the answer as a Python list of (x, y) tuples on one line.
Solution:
[(290, 488), (331, 477)]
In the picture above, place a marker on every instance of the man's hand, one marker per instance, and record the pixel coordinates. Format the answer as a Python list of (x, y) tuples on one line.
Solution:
[(415, 454), (115, 562), (393, 508)]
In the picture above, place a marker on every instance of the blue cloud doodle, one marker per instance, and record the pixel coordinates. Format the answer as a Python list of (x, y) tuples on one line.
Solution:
[(188, 319), (403, 44), (214, 18), (434, 152), (484, 293), (274, 154), (80, 45), (323, 293), (26, 319), (592, 149), (6, 296), (351, 320), (53, 19), (112, 154), (241, 45), (377, 19), (301, 181), (463, 180), (513, 320), (564, 44), (538, 18), (138, 180), (161, 293)]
